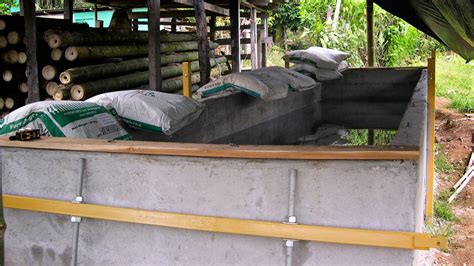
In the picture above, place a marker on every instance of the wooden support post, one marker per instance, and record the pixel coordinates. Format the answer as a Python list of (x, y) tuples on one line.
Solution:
[(287, 61), (430, 138), (235, 34), (370, 52), (187, 79), (154, 51), (173, 25), (30, 41), (253, 38), (203, 42), (264, 44), (68, 10), (212, 28), (96, 15)]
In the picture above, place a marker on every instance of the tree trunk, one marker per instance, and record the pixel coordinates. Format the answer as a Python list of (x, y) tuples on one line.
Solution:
[(92, 52), (61, 39)]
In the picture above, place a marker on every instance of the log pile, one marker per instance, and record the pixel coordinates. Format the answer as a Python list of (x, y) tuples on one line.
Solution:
[(75, 62)]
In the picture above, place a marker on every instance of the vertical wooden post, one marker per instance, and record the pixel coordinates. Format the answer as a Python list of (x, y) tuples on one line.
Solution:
[(287, 61), (212, 28), (253, 38), (203, 42), (30, 41), (173, 25), (430, 171), (370, 52), (68, 10), (96, 15), (154, 51), (264, 43), (235, 34), (187, 79)]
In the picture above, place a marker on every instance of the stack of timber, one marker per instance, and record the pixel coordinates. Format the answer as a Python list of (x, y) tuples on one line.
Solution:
[(131, 71), (13, 57)]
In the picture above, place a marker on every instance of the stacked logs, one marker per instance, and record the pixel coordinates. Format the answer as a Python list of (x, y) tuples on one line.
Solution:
[(76, 62), (13, 57), (130, 71)]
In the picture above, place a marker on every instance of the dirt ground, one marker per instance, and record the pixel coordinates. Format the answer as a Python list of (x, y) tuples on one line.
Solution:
[(454, 133)]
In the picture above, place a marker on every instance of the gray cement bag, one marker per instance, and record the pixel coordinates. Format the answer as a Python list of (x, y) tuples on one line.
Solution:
[(270, 83), (151, 110), (249, 84), (320, 73), (293, 80), (64, 119), (319, 57)]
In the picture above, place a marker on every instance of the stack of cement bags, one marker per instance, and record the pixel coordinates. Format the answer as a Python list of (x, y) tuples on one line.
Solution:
[(270, 83), (319, 63)]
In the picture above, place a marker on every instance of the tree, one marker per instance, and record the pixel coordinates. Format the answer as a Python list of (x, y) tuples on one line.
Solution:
[(6, 5)]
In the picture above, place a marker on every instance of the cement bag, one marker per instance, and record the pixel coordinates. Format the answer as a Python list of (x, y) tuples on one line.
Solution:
[(151, 110), (256, 85), (64, 119), (319, 57), (321, 73), (293, 80)]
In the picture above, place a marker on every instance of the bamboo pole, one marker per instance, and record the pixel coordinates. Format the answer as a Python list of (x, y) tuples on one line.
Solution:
[(187, 79), (370, 52), (431, 137), (62, 92)]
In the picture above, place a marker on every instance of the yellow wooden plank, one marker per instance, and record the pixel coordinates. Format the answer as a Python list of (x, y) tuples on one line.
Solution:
[(392, 239), (296, 152), (187, 84), (431, 138)]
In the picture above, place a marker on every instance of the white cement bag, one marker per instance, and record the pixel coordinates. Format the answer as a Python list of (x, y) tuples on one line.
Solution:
[(319, 57), (151, 110), (254, 85), (294, 80), (64, 119), (321, 73)]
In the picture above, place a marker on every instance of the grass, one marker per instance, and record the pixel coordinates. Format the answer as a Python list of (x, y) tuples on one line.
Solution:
[(441, 163), (455, 81), (381, 136)]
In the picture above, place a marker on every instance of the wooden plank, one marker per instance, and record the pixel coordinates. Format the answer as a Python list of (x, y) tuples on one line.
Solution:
[(212, 28), (31, 51), (188, 13), (207, 6), (326, 234), (203, 43), (242, 27), (253, 38), (431, 138), (235, 34), (220, 150), (68, 10), (187, 84), (154, 51)]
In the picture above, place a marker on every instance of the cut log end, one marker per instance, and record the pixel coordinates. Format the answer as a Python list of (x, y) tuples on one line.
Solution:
[(56, 54), (22, 58), (3, 25), (51, 88), (65, 78), (77, 92), (9, 103), (2, 103), (3, 42), (23, 87), (62, 93), (53, 40), (48, 72), (71, 53), (13, 37), (7, 75)]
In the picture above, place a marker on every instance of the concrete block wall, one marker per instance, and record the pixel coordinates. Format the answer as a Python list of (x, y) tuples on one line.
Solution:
[(356, 194)]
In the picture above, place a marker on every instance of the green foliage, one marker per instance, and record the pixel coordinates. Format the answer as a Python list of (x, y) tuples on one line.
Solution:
[(381, 136), (6, 5), (396, 42), (444, 210), (442, 165), (455, 81)]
